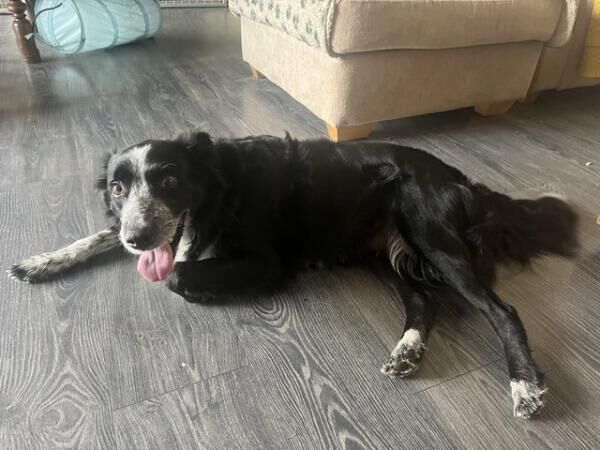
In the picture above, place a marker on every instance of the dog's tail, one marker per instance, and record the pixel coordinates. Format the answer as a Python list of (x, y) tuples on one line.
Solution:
[(519, 230)]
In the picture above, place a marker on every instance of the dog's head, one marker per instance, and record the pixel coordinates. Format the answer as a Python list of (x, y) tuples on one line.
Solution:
[(150, 188)]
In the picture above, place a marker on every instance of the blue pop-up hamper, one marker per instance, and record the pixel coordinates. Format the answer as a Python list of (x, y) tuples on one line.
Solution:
[(74, 26)]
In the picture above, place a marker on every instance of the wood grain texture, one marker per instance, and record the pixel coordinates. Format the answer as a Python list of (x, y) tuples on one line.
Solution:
[(53, 372), (206, 414), (310, 336), (103, 359), (478, 419)]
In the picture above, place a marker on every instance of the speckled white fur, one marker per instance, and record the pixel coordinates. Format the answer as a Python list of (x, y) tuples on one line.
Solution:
[(527, 398)]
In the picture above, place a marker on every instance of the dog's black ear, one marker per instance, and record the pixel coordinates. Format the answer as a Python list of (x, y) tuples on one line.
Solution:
[(196, 140), (102, 182), (204, 156)]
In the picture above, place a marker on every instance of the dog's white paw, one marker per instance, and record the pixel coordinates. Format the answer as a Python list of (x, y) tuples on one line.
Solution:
[(556, 195), (33, 269), (527, 398), (407, 355)]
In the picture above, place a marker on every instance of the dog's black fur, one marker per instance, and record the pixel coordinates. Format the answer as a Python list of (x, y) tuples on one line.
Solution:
[(268, 205)]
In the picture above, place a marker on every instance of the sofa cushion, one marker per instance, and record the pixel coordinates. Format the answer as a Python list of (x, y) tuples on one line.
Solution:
[(306, 20), (363, 25), (351, 26)]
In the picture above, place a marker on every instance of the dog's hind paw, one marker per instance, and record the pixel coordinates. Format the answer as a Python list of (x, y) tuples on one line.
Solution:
[(527, 398), (407, 355)]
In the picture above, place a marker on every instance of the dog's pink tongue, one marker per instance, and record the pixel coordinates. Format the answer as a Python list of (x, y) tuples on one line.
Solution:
[(157, 264)]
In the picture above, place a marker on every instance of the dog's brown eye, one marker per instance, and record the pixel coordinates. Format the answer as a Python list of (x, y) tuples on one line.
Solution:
[(169, 181), (117, 189)]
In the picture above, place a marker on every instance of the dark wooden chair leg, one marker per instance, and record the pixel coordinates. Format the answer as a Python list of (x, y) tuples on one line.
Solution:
[(29, 10), (23, 32)]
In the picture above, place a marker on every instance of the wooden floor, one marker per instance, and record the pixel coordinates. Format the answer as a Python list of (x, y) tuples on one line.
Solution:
[(103, 359)]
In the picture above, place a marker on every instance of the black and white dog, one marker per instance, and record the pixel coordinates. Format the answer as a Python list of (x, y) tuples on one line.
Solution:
[(217, 218)]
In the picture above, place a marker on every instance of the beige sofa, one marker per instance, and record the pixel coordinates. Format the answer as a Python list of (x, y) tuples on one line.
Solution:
[(559, 66), (356, 62)]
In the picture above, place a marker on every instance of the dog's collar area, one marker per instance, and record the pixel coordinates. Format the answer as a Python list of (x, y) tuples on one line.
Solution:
[(179, 232)]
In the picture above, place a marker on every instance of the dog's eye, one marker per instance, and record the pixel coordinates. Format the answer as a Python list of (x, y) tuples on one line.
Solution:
[(117, 189), (169, 182)]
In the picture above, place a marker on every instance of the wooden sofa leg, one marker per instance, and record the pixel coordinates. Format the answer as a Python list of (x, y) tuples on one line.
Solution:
[(531, 97), (339, 134), (491, 109), (255, 73)]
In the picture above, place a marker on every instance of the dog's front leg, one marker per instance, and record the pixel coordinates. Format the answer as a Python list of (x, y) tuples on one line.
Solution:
[(200, 281), (48, 265)]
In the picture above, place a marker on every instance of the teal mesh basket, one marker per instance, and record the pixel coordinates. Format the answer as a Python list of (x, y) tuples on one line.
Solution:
[(75, 26)]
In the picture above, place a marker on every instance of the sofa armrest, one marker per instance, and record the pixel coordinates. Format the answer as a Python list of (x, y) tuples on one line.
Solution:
[(566, 24)]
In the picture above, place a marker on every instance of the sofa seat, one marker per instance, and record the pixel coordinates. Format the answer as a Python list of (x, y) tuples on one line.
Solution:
[(346, 26)]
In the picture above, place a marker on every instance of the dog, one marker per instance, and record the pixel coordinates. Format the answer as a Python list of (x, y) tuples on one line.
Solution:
[(214, 218)]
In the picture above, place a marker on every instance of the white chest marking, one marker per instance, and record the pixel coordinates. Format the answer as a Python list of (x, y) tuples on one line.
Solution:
[(186, 240)]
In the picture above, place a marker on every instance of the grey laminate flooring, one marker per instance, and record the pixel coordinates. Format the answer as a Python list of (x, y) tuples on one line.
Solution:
[(103, 359)]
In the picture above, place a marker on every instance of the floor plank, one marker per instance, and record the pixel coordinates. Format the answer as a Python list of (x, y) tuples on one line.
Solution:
[(478, 419), (53, 371), (102, 359), (222, 412)]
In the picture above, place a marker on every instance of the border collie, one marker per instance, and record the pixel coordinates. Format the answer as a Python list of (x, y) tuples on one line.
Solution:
[(218, 218)]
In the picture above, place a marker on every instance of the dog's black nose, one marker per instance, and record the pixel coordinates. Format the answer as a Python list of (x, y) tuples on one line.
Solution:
[(140, 241), (132, 243)]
